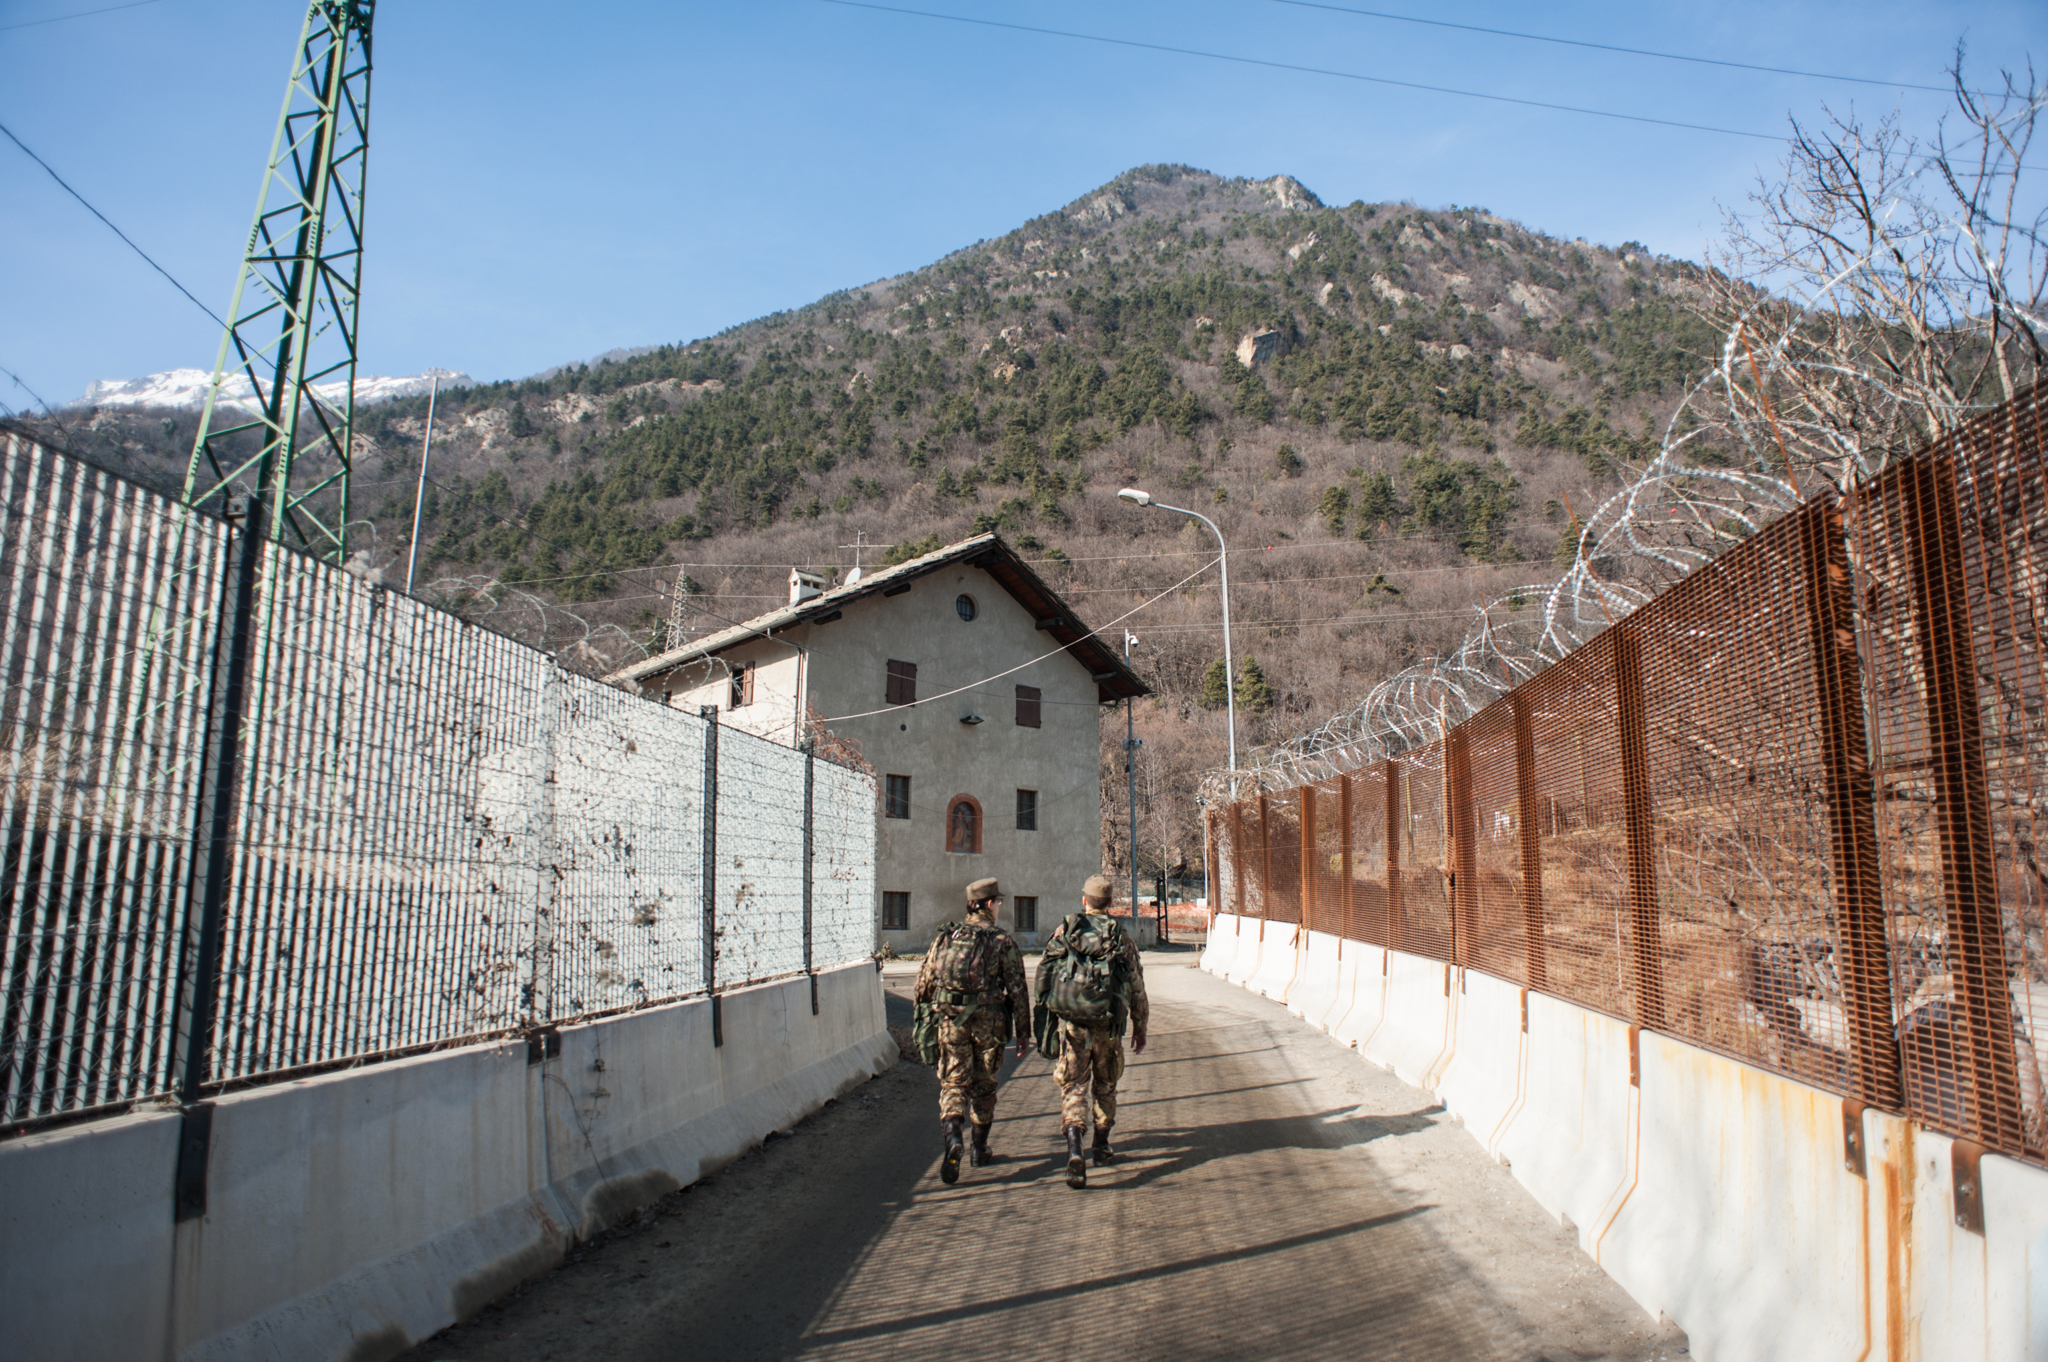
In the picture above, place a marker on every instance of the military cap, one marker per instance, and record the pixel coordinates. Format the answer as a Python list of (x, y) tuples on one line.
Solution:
[(983, 889), (1098, 889)]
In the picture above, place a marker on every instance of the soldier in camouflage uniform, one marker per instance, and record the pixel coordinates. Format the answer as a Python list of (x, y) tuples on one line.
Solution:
[(1090, 1055), (974, 1021)]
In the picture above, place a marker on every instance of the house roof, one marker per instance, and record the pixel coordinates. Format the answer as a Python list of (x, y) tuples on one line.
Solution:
[(1113, 680)]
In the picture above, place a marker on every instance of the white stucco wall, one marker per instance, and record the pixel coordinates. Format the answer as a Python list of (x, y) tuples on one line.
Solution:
[(842, 667)]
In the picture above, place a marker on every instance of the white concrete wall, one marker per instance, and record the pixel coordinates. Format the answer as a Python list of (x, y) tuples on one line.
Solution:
[(353, 1214), (1714, 1192)]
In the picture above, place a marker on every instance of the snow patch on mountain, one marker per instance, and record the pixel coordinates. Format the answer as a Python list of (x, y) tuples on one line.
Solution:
[(183, 388)]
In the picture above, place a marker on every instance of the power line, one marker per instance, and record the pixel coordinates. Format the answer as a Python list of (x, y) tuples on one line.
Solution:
[(1308, 70), (1609, 47), (82, 14), (110, 226)]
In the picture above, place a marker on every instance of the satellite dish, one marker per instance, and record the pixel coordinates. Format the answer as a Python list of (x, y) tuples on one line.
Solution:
[(853, 577)]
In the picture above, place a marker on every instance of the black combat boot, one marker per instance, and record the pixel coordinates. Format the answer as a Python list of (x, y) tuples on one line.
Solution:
[(949, 1166), (978, 1137), (1103, 1153), (1077, 1167)]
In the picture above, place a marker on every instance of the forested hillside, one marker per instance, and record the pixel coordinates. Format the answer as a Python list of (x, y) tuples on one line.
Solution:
[(1393, 413)]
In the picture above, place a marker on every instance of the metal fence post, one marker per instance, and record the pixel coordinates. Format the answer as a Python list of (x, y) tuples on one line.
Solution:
[(1528, 818), (1265, 861), (1646, 964), (1238, 857), (709, 713), (1393, 854), (199, 955), (1865, 969), (1308, 857), (1464, 855), (810, 862), (540, 1002), (1348, 908), (1987, 1076)]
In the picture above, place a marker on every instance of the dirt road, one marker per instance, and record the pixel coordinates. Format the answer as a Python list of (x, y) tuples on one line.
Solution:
[(1277, 1198)]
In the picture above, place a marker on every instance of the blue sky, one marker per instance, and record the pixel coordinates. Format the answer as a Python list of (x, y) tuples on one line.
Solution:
[(550, 181)]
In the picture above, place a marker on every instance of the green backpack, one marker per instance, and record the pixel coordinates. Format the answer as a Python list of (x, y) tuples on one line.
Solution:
[(970, 958), (1085, 980)]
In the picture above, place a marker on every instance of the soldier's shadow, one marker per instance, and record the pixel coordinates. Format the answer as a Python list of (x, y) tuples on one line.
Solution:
[(1147, 1155)]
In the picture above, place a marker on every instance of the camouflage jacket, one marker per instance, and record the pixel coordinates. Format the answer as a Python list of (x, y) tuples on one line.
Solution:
[(1008, 997), (1139, 1011)]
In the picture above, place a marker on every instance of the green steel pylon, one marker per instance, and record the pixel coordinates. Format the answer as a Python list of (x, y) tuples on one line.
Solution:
[(292, 324)]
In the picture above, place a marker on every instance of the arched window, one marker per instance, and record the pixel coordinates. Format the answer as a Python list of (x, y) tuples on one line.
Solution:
[(963, 825)]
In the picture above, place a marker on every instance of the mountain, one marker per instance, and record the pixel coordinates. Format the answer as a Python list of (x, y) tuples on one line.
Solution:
[(1392, 413), (181, 389)]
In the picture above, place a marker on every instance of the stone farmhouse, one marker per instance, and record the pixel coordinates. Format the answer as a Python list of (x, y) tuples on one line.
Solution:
[(973, 690)]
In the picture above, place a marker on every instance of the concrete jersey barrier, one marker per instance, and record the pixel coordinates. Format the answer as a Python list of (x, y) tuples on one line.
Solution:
[(353, 1214), (1713, 1192)]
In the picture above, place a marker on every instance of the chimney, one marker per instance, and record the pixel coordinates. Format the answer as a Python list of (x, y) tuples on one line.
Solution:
[(804, 584)]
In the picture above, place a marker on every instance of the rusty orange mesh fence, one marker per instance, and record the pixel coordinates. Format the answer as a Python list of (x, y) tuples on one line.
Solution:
[(1575, 780), (1324, 854), (1952, 622), (1283, 856), (1424, 851), (1786, 811), (1365, 917), (1496, 938)]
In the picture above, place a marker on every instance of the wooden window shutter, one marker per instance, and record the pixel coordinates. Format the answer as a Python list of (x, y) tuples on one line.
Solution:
[(902, 683), (1027, 707)]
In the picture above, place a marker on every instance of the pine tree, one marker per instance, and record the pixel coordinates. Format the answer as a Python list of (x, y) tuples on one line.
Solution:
[(1335, 504), (1213, 682), (1254, 695)]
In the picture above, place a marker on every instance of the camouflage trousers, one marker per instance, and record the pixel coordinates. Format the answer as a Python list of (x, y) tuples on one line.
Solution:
[(969, 1057), (1091, 1061)]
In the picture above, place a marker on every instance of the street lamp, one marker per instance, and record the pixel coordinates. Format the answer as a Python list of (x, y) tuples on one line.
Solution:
[(1138, 498)]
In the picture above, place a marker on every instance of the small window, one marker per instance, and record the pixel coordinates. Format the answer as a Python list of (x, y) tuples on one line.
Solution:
[(897, 804), (1026, 908), (1027, 706), (742, 686), (902, 683), (895, 910), (1027, 811), (963, 605)]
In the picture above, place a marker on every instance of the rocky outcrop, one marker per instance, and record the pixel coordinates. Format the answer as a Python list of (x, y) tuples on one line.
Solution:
[(1288, 192), (1257, 347), (1535, 300), (1101, 209), (1393, 293)]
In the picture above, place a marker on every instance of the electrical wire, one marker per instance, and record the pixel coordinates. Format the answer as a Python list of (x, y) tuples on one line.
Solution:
[(1309, 70), (58, 19), (82, 14), (1609, 47), (110, 226), (887, 709)]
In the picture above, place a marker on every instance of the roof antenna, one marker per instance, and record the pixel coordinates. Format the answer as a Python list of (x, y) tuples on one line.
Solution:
[(860, 541)]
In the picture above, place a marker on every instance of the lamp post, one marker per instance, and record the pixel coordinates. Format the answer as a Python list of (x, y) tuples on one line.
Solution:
[(1138, 498)]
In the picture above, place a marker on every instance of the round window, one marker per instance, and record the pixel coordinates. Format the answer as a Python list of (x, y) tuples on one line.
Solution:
[(965, 605)]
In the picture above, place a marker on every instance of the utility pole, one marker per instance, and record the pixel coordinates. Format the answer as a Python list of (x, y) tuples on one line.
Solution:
[(419, 499), (1131, 746)]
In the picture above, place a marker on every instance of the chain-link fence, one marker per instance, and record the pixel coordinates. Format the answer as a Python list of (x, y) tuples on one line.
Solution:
[(1788, 810), (427, 832)]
